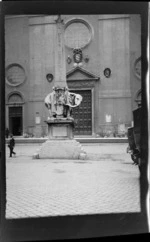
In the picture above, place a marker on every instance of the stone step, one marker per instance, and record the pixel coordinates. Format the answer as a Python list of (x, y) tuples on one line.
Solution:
[(60, 149), (22, 140)]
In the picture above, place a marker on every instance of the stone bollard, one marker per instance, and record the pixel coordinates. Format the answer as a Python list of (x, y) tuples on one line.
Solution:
[(82, 156), (35, 156)]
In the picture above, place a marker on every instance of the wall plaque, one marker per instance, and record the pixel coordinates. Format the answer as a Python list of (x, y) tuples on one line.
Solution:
[(15, 75), (107, 72), (49, 77)]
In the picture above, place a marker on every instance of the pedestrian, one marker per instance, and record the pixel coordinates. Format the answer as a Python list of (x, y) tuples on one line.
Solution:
[(7, 133), (11, 145)]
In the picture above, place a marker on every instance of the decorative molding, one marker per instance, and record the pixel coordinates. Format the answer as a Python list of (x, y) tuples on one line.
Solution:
[(115, 94), (41, 20), (36, 100), (80, 84), (114, 16), (15, 97), (23, 16), (85, 73), (77, 55)]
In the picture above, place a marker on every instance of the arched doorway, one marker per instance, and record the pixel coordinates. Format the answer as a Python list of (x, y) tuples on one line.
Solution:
[(15, 114), (138, 98)]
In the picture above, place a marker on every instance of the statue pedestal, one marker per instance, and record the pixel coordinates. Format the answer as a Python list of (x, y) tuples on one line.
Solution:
[(60, 143), (60, 128)]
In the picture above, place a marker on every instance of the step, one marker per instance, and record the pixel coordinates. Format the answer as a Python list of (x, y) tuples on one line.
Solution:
[(21, 140)]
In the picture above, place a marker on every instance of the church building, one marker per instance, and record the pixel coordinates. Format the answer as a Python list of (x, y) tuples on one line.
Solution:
[(102, 61)]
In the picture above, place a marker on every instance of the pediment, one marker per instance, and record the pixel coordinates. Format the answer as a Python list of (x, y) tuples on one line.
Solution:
[(79, 73)]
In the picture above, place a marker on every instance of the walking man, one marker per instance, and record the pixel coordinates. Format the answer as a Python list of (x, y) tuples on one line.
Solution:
[(11, 145)]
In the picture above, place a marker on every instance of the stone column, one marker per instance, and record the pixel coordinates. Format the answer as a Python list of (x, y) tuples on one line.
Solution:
[(60, 62)]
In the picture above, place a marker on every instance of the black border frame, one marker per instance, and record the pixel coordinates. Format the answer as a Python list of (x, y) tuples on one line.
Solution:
[(86, 226)]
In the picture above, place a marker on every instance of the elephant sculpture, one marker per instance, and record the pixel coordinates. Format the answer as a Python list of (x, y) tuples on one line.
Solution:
[(60, 102)]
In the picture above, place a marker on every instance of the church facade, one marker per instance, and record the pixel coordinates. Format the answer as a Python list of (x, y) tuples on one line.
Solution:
[(103, 64)]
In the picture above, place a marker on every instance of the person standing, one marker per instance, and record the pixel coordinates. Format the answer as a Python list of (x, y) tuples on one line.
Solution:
[(11, 145)]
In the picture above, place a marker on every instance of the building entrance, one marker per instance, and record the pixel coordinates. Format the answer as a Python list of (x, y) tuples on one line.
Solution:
[(15, 120), (83, 114)]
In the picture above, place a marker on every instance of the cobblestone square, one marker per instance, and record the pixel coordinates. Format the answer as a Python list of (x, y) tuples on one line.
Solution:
[(106, 182)]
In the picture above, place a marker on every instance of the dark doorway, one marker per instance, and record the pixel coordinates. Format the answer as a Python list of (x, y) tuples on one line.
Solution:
[(15, 120), (83, 114)]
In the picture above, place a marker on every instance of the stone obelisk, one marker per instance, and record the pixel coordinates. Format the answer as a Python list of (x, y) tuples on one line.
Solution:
[(60, 63), (60, 143)]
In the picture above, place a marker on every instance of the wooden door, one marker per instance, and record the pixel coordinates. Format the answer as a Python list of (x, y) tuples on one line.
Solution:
[(83, 114)]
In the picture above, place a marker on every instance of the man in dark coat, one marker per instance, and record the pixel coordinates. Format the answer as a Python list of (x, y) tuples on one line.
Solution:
[(11, 145)]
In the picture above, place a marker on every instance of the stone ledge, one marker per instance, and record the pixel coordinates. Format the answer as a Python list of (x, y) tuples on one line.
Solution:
[(79, 139)]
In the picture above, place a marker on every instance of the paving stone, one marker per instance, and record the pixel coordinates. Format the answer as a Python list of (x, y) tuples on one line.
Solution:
[(107, 183)]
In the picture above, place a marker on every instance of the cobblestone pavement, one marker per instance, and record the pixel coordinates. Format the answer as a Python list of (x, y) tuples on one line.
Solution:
[(106, 182)]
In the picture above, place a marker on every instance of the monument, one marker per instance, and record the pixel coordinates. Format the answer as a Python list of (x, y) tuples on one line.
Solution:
[(60, 102)]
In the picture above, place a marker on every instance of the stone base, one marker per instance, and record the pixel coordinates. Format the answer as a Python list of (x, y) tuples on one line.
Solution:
[(60, 128), (61, 149)]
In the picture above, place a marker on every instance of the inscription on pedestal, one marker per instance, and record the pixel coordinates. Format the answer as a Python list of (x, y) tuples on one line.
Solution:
[(59, 131)]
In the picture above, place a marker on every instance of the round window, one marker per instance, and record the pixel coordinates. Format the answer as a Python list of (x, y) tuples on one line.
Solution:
[(15, 75), (78, 34)]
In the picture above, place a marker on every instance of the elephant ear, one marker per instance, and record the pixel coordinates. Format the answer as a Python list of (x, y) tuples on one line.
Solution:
[(78, 99), (74, 99), (47, 100)]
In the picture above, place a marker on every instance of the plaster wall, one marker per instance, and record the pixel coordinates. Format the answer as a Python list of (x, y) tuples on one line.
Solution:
[(114, 53), (17, 51)]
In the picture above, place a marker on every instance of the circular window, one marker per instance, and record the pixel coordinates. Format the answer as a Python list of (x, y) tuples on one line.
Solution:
[(78, 34), (15, 75), (137, 68)]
